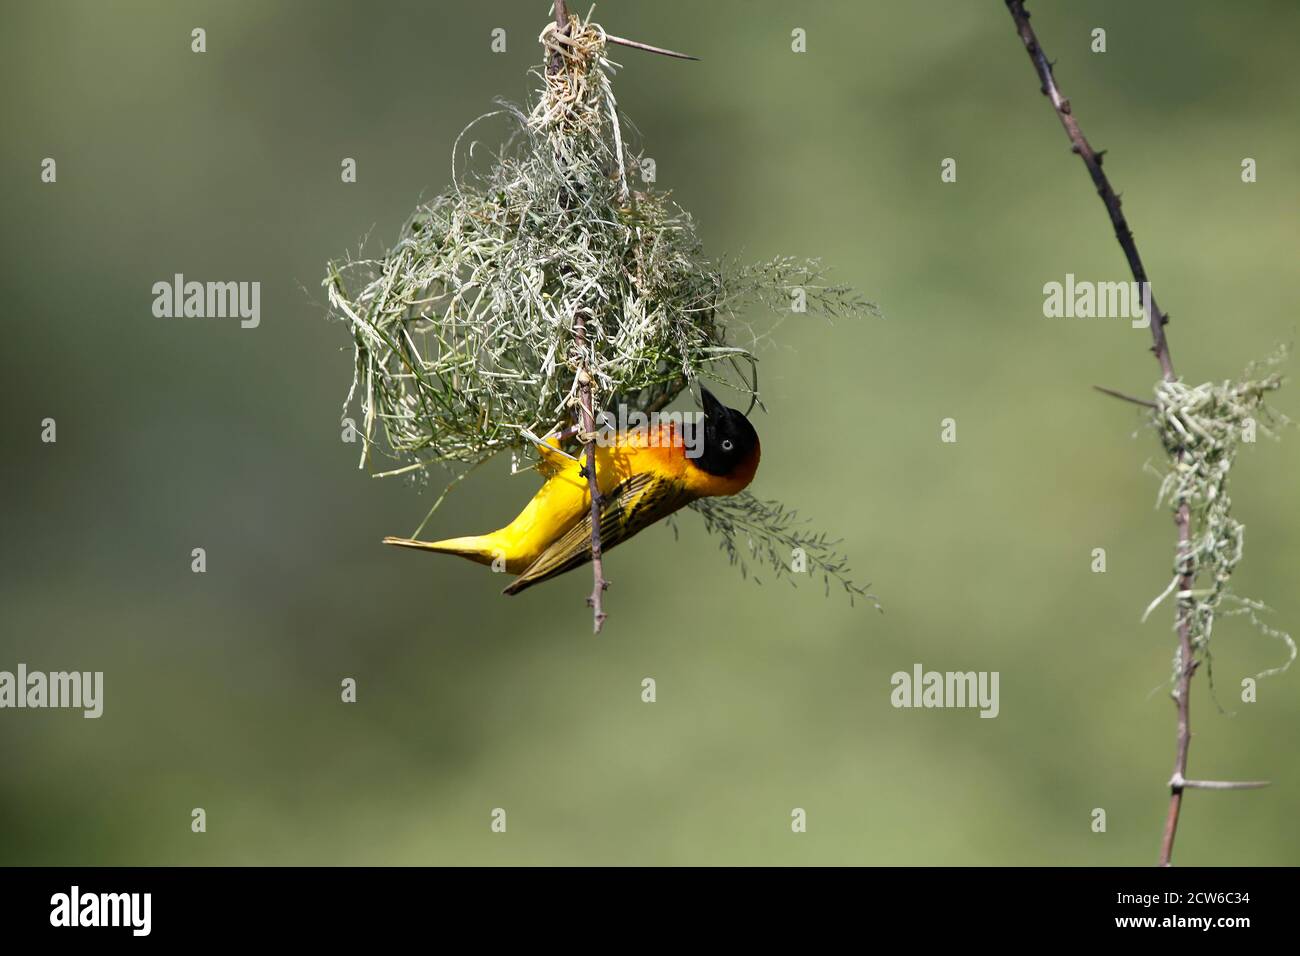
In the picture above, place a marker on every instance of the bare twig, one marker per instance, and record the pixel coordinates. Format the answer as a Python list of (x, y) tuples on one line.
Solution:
[(634, 44), (1160, 346), (1220, 784), (1092, 159), (1127, 398), (561, 12)]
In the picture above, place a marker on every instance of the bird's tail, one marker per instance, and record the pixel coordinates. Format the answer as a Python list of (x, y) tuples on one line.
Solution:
[(476, 548)]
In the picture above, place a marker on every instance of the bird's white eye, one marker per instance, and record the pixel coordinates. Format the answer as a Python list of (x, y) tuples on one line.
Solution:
[(727, 445)]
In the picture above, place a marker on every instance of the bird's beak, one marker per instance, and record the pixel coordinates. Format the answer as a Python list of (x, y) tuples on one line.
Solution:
[(712, 407)]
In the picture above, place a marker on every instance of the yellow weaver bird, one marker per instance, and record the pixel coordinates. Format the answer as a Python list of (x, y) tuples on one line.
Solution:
[(643, 475)]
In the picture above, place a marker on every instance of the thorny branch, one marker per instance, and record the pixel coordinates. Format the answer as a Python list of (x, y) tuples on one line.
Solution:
[(583, 376), (586, 413), (588, 433), (1160, 346)]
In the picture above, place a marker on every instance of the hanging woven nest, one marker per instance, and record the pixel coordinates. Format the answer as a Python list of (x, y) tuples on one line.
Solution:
[(464, 331)]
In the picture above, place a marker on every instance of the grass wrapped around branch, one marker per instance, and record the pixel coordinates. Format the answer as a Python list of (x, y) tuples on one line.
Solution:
[(1201, 428)]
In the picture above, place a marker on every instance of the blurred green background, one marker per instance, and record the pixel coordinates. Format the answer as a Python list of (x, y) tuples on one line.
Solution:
[(222, 689)]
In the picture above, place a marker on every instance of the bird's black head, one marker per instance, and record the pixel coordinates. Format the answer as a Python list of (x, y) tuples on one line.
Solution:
[(730, 441)]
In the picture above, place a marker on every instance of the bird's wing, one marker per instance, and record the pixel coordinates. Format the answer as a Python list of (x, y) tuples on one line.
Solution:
[(634, 504)]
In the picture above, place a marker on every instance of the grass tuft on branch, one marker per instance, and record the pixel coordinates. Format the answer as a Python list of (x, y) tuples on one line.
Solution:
[(1202, 428)]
